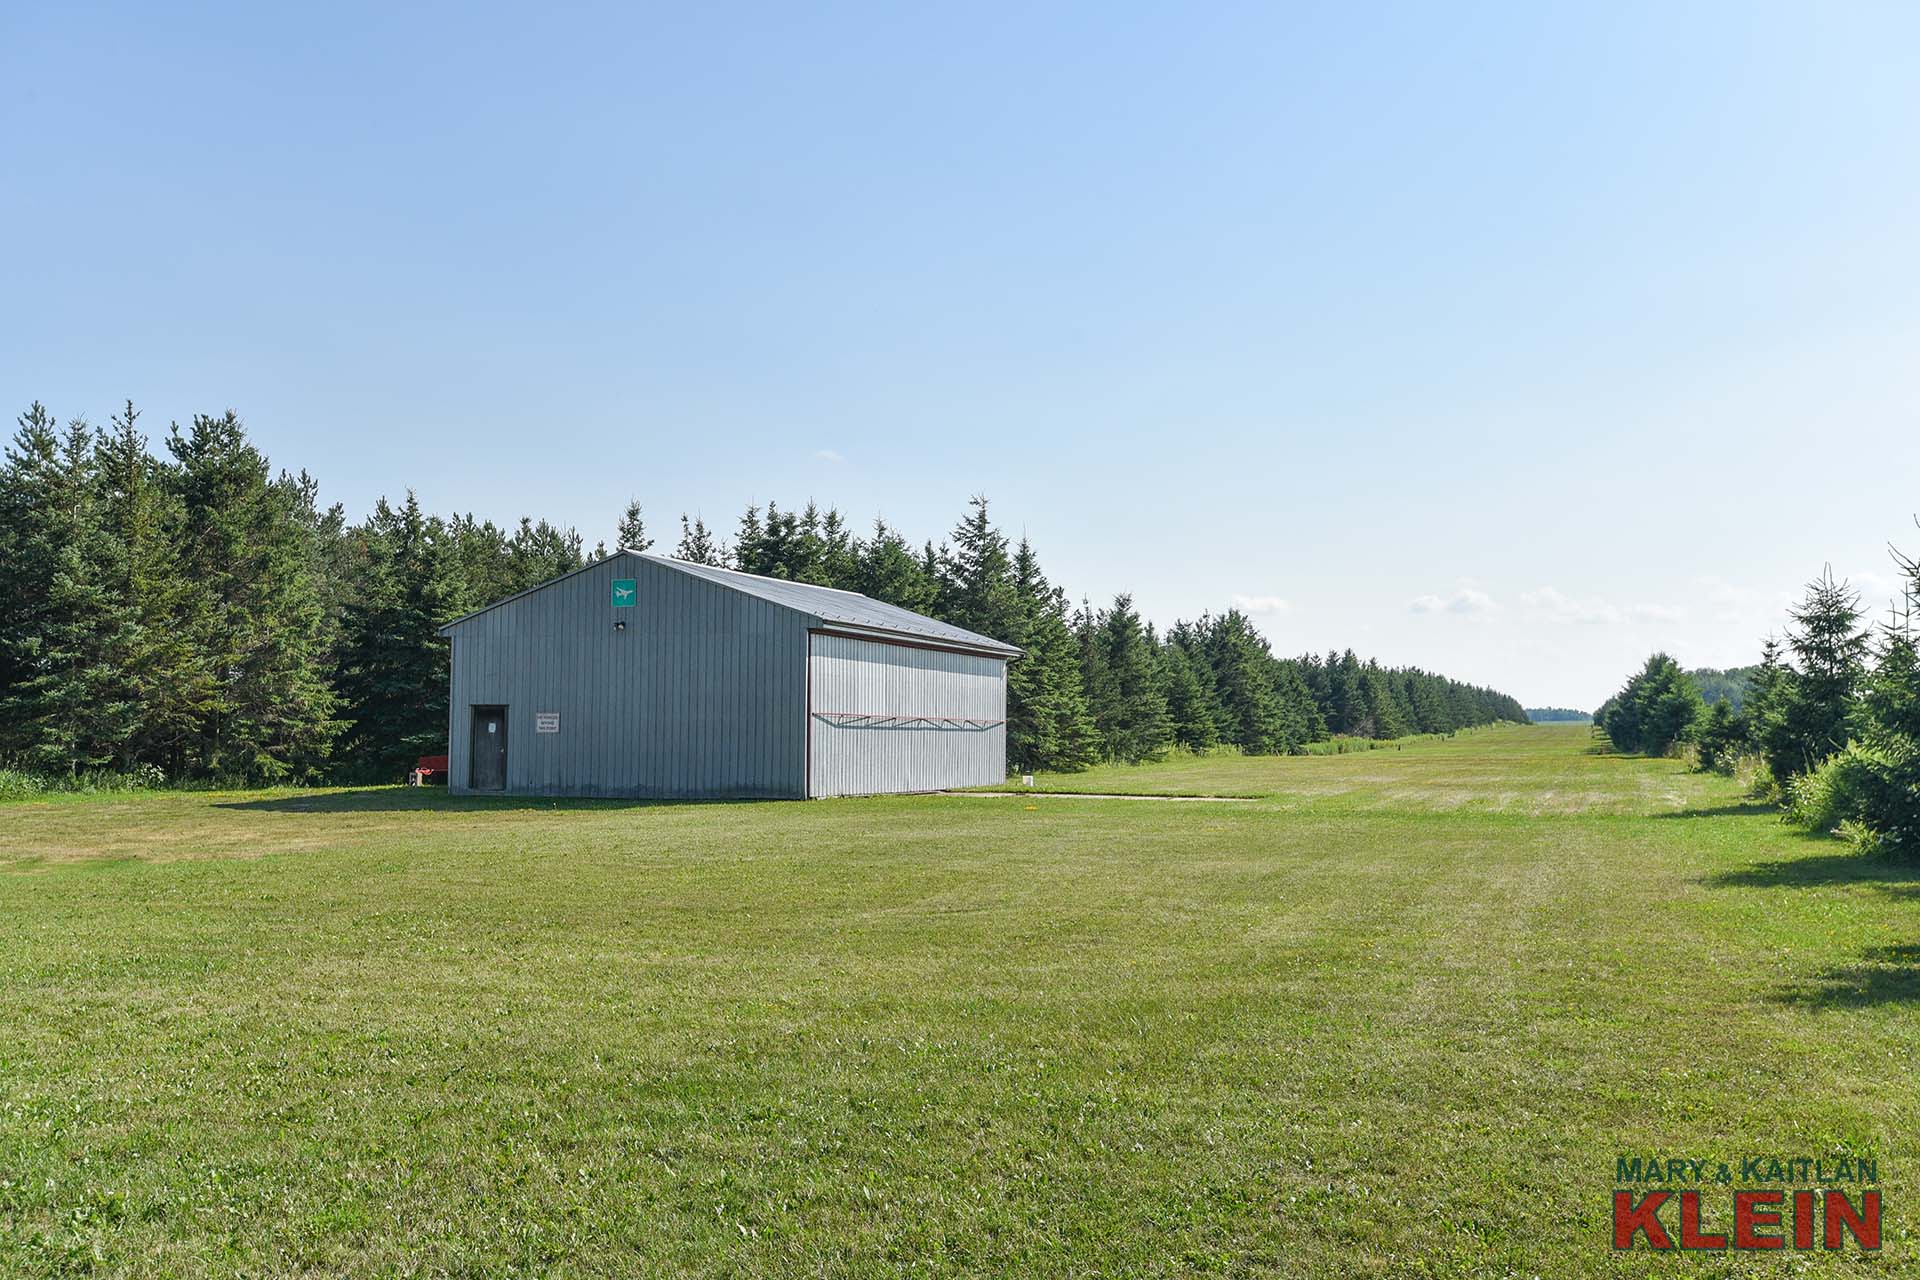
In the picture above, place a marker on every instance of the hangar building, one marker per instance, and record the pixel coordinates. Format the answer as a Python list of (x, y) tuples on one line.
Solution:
[(644, 676)]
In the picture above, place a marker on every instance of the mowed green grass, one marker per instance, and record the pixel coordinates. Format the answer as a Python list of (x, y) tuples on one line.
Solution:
[(1397, 1019), (1541, 770)]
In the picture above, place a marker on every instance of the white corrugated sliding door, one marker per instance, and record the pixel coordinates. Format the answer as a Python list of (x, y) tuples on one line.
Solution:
[(893, 717)]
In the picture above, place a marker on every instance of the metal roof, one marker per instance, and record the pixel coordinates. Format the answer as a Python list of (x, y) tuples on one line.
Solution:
[(844, 608), (829, 604)]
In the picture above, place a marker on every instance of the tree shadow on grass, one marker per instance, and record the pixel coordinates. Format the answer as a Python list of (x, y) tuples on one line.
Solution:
[(435, 800), (1831, 868), (1883, 975), (1741, 809)]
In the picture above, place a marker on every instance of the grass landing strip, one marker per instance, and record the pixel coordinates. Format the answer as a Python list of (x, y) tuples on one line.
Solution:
[(1396, 1018)]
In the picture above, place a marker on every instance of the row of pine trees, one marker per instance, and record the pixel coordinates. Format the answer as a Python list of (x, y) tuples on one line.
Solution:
[(196, 615), (1830, 721)]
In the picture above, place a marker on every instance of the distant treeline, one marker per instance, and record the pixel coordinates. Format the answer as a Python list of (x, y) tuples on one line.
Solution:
[(1713, 685), (1829, 720), (199, 616), (1729, 686)]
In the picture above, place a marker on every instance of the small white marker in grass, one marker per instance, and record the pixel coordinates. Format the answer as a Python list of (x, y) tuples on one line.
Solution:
[(1026, 779)]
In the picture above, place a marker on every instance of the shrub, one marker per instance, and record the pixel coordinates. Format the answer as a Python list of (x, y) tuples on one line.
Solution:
[(17, 784), (1863, 838), (1843, 788), (24, 784), (1717, 737), (1755, 778)]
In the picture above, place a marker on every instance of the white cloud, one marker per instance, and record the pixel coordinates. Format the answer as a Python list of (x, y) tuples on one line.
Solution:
[(1733, 605), (1561, 607), (1465, 600), (1260, 604), (828, 455), (1557, 606)]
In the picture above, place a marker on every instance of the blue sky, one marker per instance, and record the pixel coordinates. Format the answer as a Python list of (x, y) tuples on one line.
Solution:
[(1509, 340)]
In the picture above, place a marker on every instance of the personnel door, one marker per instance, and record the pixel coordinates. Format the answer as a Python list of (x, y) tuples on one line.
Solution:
[(487, 759)]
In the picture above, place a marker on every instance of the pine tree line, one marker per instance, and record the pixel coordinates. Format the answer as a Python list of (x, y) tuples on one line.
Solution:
[(1830, 718), (199, 615)]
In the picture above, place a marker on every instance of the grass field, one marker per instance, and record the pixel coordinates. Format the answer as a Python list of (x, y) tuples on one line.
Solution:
[(1396, 1018)]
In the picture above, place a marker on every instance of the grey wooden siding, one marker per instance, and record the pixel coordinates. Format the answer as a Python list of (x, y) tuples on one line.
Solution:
[(888, 717), (703, 694)]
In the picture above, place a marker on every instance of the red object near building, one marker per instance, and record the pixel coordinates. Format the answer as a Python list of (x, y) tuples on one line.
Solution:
[(429, 770)]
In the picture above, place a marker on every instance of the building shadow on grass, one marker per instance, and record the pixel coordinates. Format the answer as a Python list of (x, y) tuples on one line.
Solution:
[(1829, 868), (1882, 975), (435, 800)]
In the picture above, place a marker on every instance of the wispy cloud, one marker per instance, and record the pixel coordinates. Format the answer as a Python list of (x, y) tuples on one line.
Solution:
[(828, 455), (1260, 604), (1561, 607), (1465, 600), (1732, 604), (1558, 606)]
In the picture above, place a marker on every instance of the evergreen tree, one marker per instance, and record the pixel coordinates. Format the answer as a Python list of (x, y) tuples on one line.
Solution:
[(1383, 716), (29, 485), (64, 706), (839, 558), (1191, 639), (1125, 696), (748, 541), (1764, 698), (976, 585), (335, 555), (264, 628), (1890, 715), (1717, 735), (1313, 674), (163, 674), (632, 532), (1430, 713), (697, 546), (1243, 677), (1298, 720), (482, 561), (887, 570), (786, 545), (1810, 706), (1194, 715), (393, 672), (1657, 708), (1348, 713), (1048, 724), (539, 552), (805, 557)]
